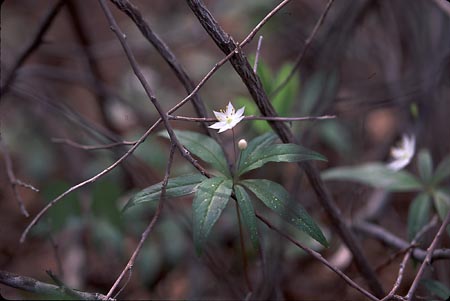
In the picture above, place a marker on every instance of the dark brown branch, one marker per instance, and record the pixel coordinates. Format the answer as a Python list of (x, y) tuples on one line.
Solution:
[(37, 287), (299, 59), (239, 62), (32, 45), (132, 11)]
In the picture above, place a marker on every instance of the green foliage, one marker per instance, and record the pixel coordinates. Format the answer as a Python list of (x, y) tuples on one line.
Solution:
[(419, 214), (436, 288), (213, 194), (425, 164), (282, 101), (62, 212), (248, 214), (257, 154), (210, 199), (176, 187), (203, 147), (276, 198), (430, 186), (376, 175)]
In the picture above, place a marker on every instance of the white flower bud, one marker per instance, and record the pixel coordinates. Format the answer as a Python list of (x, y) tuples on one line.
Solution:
[(242, 144)]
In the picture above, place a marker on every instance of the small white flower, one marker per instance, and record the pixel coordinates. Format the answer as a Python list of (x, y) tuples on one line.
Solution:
[(242, 144), (403, 154), (227, 119)]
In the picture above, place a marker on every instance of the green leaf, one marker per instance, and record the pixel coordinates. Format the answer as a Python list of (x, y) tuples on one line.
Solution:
[(376, 175), (176, 187), (210, 199), (425, 164), (255, 145), (248, 214), (284, 99), (105, 194), (419, 214), (437, 288), (275, 197), (203, 147), (441, 202), (276, 153), (442, 171)]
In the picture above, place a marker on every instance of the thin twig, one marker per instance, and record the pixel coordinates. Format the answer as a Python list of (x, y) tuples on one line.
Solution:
[(150, 226), (258, 49), (402, 267), (319, 257), (251, 117), (34, 43), (390, 239), (91, 147), (428, 258), (37, 287), (299, 58), (12, 178)]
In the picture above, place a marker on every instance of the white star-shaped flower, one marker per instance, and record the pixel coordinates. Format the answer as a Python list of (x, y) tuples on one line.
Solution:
[(403, 154), (227, 119)]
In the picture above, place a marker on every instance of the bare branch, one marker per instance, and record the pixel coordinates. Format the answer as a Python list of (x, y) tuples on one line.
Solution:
[(34, 286), (251, 117), (430, 251), (32, 46)]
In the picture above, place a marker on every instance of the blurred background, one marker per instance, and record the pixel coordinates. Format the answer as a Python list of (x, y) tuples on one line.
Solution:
[(382, 67)]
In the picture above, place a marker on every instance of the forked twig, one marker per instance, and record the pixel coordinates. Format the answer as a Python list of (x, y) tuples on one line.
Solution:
[(150, 226), (428, 258)]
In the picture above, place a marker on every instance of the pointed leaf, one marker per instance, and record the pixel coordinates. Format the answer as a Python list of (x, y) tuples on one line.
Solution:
[(419, 214), (425, 165), (176, 187), (376, 175), (248, 214), (275, 197), (437, 288), (255, 145), (442, 171), (441, 200), (277, 153), (210, 199), (203, 147)]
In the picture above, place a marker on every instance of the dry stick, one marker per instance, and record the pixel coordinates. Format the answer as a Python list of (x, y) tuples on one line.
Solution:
[(91, 147), (402, 267), (239, 62), (258, 49), (299, 58), (12, 177), (32, 46), (145, 135), (34, 286), (251, 117), (390, 239), (149, 228), (319, 257), (428, 258)]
